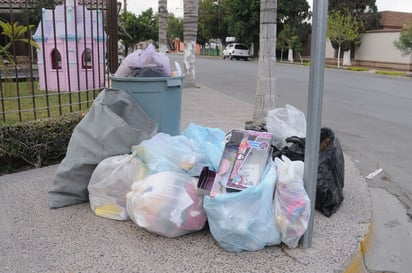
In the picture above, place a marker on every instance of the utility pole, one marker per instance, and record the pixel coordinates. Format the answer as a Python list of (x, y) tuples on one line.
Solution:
[(316, 79)]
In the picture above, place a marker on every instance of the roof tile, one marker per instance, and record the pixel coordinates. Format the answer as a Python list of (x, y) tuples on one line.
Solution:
[(395, 20)]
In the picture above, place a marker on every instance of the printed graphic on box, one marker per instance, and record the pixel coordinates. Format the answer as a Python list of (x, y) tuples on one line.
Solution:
[(243, 161)]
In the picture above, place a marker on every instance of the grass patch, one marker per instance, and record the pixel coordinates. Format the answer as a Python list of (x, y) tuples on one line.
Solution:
[(306, 63), (357, 68), (390, 73), (23, 101)]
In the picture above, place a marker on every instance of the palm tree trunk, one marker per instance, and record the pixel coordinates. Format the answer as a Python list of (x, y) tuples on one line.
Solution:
[(190, 18), (163, 17), (266, 95)]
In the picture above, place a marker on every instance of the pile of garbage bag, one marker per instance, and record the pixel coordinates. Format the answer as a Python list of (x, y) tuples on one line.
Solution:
[(246, 185)]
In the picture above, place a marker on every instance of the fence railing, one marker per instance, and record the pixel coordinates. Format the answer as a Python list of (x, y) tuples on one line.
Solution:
[(210, 52), (67, 70)]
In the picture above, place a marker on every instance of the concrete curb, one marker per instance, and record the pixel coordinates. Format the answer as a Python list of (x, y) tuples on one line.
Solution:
[(358, 264)]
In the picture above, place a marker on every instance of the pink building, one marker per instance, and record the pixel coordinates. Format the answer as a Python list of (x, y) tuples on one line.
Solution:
[(73, 48)]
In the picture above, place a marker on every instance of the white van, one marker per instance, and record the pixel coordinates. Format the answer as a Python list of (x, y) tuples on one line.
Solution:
[(236, 50)]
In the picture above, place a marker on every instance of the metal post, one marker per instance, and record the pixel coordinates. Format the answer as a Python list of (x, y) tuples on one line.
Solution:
[(113, 37), (316, 77)]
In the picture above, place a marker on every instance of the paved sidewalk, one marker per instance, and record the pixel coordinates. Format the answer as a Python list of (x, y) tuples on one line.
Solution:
[(35, 238)]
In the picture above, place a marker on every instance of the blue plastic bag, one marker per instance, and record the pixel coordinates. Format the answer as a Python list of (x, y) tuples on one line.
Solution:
[(210, 140), (244, 220), (172, 153)]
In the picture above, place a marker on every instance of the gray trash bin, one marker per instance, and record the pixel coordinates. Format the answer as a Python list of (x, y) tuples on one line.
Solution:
[(160, 98)]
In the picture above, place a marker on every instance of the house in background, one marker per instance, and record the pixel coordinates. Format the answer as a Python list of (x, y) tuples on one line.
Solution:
[(72, 50), (377, 49), (14, 11), (392, 20)]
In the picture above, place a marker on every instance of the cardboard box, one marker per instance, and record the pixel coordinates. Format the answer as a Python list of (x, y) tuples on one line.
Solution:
[(243, 161)]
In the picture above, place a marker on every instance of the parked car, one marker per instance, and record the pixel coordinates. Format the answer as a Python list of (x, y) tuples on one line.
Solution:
[(236, 50)]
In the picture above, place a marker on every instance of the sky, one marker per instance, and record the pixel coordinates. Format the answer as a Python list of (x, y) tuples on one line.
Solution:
[(176, 6)]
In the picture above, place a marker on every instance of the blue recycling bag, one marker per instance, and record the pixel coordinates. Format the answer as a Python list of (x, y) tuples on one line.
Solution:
[(244, 221)]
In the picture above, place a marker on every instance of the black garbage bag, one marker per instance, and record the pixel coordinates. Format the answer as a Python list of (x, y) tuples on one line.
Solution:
[(295, 150), (331, 174), (331, 169)]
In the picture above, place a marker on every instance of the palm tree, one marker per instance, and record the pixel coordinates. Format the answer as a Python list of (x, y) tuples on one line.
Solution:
[(163, 17), (266, 95), (190, 18)]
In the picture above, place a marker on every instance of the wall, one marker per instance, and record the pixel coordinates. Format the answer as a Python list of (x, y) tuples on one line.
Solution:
[(376, 51)]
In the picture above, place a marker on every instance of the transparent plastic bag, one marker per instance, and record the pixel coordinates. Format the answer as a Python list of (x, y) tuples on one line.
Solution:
[(244, 220), (172, 153), (166, 203), (291, 203), (140, 59), (285, 122), (125, 68), (111, 181)]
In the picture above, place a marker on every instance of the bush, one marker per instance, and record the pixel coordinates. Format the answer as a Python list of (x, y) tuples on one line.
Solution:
[(36, 143)]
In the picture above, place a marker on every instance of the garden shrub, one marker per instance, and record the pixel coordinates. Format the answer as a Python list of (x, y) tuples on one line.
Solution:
[(36, 143)]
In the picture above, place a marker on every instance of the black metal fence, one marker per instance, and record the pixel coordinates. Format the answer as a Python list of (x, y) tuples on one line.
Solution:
[(68, 67)]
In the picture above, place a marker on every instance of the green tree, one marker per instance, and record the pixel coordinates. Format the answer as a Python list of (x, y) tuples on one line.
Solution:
[(212, 23), (293, 24), (133, 29), (365, 11), (174, 28), (148, 25), (126, 32), (242, 19), (404, 44), (291, 40), (293, 13), (282, 43), (343, 27)]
